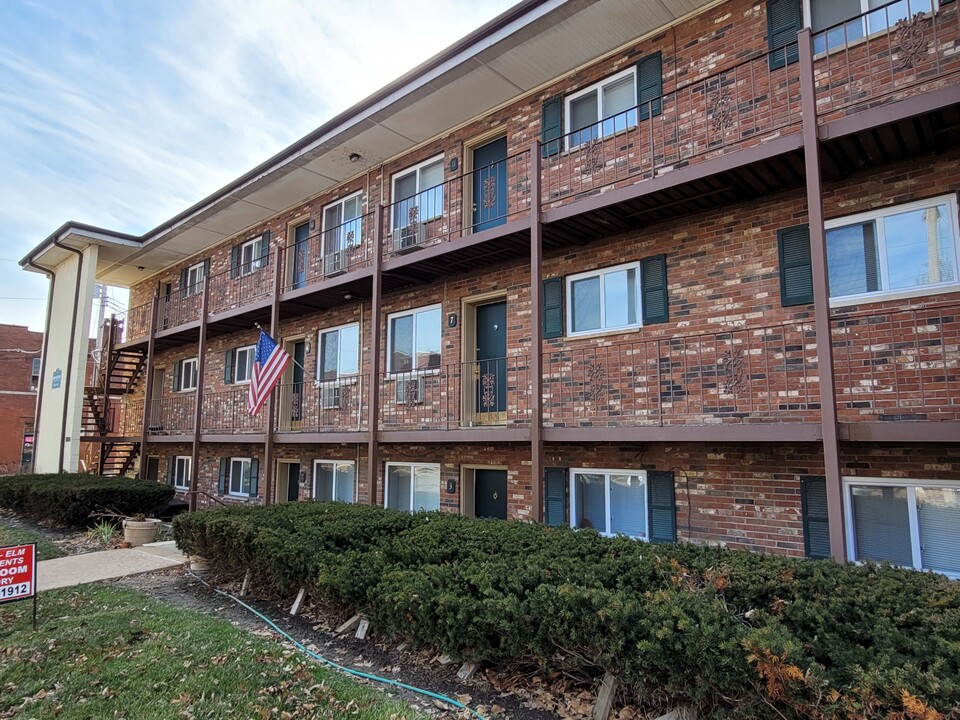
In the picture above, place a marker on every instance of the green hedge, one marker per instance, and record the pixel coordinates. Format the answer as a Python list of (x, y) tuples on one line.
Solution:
[(71, 499), (735, 634)]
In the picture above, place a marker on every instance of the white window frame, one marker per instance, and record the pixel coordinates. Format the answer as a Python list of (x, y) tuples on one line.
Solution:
[(247, 463), (184, 461), (415, 311), (601, 273), (415, 170), (358, 237), (412, 466), (911, 486), (597, 88), (183, 364), (335, 463), (255, 263), (320, 380), (607, 472), (35, 365), (195, 286), (876, 216), (249, 350)]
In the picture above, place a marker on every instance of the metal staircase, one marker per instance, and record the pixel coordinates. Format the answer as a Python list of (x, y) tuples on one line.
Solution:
[(120, 372)]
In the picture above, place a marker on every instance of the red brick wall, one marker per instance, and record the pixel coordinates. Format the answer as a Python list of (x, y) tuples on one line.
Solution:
[(18, 398)]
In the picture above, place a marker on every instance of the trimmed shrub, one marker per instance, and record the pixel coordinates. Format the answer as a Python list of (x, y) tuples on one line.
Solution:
[(731, 633), (73, 499)]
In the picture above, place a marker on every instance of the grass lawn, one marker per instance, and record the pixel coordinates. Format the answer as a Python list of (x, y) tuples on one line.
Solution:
[(100, 652), (15, 536)]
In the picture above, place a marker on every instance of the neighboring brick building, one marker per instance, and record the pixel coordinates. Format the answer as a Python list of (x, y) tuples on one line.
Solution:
[(19, 376), (578, 269)]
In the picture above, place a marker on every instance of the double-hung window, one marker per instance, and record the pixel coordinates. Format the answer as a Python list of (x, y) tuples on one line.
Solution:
[(896, 252), (243, 364), (334, 480), (838, 22), (339, 353), (414, 487), (610, 501), (185, 375), (35, 372), (413, 340), (195, 276), (253, 255), (912, 523), (342, 224), (418, 194), (181, 472), (602, 300), (239, 476), (602, 109)]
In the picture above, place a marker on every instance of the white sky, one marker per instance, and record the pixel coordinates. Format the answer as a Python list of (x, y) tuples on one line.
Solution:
[(121, 113)]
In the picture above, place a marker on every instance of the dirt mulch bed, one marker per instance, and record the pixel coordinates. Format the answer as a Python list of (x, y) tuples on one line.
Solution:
[(71, 540)]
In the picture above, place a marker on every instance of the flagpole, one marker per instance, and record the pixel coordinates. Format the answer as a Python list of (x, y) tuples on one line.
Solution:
[(292, 358)]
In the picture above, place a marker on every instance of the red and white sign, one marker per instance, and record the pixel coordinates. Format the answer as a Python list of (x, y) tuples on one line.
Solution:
[(18, 572)]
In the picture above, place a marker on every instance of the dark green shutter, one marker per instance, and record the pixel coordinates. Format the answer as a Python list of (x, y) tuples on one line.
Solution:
[(650, 85), (265, 248), (171, 470), (555, 496), (553, 307), (784, 21), (254, 476), (206, 268), (183, 283), (224, 470), (551, 126), (796, 270), (228, 367), (176, 375), (653, 281), (816, 524), (870, 261), (235, 261), (662, 503)]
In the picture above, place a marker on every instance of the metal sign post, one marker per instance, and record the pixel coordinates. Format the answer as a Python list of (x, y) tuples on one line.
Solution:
[(18, 575)]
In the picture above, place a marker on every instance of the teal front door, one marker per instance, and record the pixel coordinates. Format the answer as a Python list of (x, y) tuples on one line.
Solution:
[(491, 369), (490, 185), (490, 494)]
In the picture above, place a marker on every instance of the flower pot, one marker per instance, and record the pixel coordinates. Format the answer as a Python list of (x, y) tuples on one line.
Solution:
[(140, 532)]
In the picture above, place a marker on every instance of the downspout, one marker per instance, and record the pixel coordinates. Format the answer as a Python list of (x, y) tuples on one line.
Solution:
[(43, 358), (70, 348)]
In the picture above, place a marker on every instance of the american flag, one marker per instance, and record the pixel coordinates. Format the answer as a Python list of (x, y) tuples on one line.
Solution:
[(269, 362)]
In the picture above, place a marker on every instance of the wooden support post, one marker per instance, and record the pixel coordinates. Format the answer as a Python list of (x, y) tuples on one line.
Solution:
[(198, 399), (373, 419), (268, 463), (536, 337), (148, 387)]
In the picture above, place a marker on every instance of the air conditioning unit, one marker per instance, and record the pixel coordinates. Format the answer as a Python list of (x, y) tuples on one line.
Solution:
[(409, 237), (336, 262), (330, 397), (409, 391)]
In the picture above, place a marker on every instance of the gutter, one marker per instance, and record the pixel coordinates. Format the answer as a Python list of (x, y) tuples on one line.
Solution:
[(43, 360), (73, 337)]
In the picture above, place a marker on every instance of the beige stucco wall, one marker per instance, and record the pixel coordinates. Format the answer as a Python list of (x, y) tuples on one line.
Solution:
[(67, 398)]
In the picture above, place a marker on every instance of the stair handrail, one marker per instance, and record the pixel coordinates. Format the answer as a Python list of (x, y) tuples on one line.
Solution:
[(207, 495)]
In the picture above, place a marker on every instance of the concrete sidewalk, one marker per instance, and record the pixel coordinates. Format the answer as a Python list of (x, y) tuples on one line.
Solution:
[(106, 565)]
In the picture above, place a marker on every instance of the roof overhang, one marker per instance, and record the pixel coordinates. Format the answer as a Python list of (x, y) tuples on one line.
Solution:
[(530, 45)]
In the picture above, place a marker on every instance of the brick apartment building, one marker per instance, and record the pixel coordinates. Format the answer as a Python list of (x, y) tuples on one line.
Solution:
[(19, 378), (685, 270)]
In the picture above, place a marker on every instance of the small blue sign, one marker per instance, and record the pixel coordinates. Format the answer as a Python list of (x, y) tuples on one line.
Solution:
[(55, 381)]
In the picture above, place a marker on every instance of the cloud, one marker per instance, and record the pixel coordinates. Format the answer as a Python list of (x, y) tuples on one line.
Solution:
[(123, 114)]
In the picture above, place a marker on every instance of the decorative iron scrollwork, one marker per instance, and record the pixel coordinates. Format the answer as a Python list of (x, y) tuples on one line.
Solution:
[(411, 392), (488, 394), (490, 192), (413, 216), (592, 158), (595, 386), (721, 110), (731, 364), (351, 234), (911, 41), (344, 398)]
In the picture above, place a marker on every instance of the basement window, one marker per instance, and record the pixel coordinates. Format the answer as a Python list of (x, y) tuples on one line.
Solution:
[(334, 480), (181, 472), (609, 501)]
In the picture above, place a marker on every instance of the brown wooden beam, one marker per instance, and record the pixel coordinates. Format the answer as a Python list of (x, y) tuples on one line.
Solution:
[(536, 337), (373, 418), (198, 400), (772, 432), (268, 463), (821, 298), (148, 387), (457, 436), (912, 432)]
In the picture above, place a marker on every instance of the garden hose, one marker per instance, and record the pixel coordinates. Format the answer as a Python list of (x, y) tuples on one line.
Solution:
[(330, 663)]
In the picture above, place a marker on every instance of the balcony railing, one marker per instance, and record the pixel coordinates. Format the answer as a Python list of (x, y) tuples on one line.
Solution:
[(122, 417), (748, 375), (171, 414), (241, 285), (333, 251), (226, 412), (890, 52), (181, 306), (134, 323), (898, 364), (331, 406), (738, 107), (471, 202), (469, 394)]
